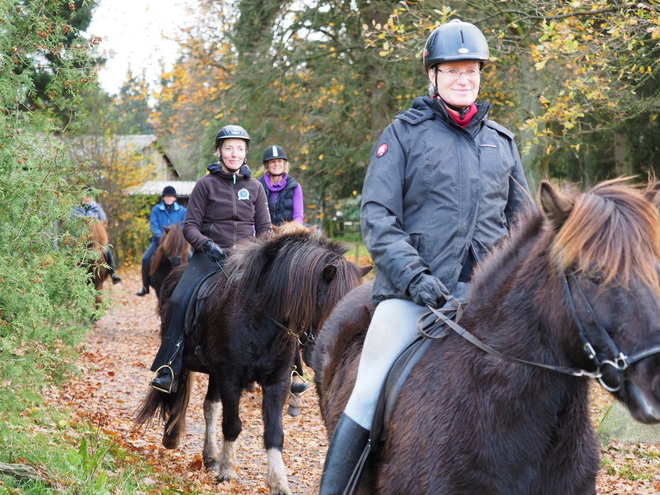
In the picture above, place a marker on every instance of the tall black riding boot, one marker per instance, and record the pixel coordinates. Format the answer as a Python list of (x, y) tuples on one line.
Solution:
[(348, 445), (146, 279), (112, 267)]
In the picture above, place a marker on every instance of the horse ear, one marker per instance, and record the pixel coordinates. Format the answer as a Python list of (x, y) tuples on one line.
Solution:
[(365, 269), (556, 206), (313, 228), (166, 229), (329, 272), (276, 229), (652, 194)]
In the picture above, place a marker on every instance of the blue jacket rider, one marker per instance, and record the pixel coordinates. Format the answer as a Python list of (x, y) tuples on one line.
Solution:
[(164, 214)]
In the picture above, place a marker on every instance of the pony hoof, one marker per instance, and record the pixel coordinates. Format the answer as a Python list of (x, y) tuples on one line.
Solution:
[(221, 478), (170, 443), (212, 465), (294, 411)]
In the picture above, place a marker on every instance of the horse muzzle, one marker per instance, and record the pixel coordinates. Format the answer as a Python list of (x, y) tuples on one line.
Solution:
[(642, 391)]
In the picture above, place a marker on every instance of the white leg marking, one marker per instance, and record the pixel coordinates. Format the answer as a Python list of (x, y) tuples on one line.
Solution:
[(211, 452), (227, 461), (277, 481)]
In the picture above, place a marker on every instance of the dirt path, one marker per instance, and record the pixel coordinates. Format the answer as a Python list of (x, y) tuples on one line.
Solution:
[(114, 377), (115, 374)]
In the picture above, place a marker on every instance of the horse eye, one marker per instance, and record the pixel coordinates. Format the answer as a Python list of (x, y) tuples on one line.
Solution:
[(595, 279)]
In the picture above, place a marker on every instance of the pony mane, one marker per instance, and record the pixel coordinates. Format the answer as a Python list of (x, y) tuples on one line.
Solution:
[(172, 242), (284, 272), (99, 234), (612, 231)]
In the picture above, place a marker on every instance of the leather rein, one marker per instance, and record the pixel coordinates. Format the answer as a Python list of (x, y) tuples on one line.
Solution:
[(449, 316)]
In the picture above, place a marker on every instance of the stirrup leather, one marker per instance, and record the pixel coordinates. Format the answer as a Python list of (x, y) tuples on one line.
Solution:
[(167, 368)]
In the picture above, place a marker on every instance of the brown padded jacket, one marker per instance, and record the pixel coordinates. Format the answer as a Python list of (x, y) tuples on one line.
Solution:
[(226, 208)]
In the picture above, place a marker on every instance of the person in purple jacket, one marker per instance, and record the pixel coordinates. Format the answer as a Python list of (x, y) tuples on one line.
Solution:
[(285, 196), (285, 203)]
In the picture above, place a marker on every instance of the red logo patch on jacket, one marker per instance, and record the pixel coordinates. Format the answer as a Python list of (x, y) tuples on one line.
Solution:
[(382, 149)]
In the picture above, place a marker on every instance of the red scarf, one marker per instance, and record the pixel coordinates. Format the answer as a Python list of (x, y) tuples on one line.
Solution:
[(463, 122)]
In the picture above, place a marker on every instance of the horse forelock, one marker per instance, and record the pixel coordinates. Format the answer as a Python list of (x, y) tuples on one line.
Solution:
[(612, 231), (285, 272), (306, 256), (347, 278)]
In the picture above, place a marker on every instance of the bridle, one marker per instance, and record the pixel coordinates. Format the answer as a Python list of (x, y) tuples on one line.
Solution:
[(450, 314), (304, 337)]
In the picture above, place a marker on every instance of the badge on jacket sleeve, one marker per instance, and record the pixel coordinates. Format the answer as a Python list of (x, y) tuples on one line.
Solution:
[(243, 195), (382, 149)]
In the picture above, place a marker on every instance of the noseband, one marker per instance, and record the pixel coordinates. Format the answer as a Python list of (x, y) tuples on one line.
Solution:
[(619, 361)]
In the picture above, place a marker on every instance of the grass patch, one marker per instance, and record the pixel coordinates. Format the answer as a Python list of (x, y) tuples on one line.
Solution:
[(71, 456)]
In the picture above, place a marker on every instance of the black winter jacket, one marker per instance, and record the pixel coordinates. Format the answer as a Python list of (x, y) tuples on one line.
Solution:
[(433, 191)]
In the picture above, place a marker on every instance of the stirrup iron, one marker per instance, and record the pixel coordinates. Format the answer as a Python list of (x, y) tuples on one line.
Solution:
[(167, 368)]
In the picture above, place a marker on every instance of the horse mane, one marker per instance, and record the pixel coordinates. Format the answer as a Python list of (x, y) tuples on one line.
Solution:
[(292, 227), (172, 242), (610, 232), (99, 234), (279, 269)]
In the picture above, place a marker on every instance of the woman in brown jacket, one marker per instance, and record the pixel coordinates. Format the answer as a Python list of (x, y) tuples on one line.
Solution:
[(225, 206)]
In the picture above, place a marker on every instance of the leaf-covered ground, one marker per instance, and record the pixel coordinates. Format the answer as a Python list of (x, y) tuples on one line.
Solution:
[(115, 373)]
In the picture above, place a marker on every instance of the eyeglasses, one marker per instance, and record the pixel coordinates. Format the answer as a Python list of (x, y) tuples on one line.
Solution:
[(454, 74)]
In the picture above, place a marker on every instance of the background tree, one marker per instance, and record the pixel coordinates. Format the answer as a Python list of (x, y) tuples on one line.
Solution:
[(132, 106), (52, 88), (576, 81), (44, 295)]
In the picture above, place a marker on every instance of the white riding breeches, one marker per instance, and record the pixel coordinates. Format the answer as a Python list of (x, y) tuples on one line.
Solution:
[(392, 329)]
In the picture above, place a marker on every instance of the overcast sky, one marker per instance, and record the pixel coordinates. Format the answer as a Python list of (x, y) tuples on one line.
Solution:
[(136, 34)]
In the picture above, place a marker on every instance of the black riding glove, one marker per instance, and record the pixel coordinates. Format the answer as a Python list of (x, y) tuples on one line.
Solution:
[(214, 252), (427, 290)]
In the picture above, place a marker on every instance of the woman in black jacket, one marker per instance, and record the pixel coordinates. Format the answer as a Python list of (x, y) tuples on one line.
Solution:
[(442, 187)]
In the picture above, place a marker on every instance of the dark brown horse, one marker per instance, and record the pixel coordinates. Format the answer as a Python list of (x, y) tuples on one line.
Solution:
[(269, 295), (173, 250), (575, 293)]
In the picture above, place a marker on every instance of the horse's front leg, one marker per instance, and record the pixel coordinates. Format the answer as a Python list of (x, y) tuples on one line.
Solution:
[(211, 453), (274, 397), (231, 427)]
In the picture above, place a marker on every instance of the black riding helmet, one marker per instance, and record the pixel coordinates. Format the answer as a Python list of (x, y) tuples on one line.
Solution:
[(274, 152), (455, 41), (232, 132)]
